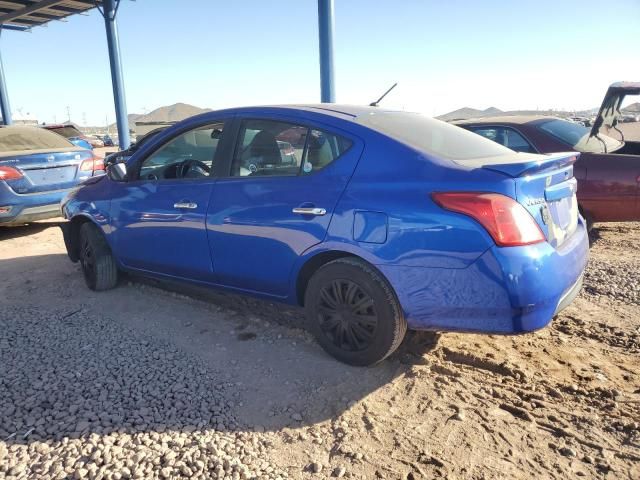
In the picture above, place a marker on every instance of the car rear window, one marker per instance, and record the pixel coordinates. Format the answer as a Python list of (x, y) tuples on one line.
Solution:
[(433, 137), (24, 138), (577, 136)]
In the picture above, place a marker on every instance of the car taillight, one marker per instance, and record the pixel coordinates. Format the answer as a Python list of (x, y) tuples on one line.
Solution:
[(92, 164), (508, 222), (10, 173)]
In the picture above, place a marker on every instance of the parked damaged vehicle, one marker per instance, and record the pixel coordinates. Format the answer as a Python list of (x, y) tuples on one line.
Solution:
[(386, 221), (608, 169), (37, 169)]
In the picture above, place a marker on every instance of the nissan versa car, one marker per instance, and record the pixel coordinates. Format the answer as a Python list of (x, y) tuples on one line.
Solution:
[(37, 169), (385, 221)]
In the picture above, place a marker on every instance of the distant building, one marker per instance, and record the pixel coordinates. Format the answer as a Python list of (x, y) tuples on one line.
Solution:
[(25, 119)]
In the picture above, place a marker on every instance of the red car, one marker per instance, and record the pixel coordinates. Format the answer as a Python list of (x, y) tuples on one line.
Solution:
[(608, 168)]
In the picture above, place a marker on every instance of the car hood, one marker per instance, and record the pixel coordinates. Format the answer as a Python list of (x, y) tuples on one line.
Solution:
[(609, 112)]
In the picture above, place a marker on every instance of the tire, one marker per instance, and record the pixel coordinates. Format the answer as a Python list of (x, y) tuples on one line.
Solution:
[(587, 218), (353, 312), (98, 265)]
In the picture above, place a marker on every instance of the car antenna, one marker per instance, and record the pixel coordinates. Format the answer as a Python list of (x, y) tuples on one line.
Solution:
[(375, 104)]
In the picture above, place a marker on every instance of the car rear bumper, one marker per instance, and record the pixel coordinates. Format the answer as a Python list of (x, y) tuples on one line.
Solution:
[(17, 209), (507, 290)]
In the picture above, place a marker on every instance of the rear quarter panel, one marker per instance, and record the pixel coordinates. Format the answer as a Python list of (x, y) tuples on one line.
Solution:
[(396, 182)]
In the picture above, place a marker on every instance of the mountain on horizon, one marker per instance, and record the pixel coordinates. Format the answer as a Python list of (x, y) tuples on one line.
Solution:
[(634, 107), (468, 112)]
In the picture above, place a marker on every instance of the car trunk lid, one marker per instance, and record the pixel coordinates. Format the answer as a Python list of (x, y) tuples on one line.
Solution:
[(609, 112), (546, 187), (45, 170)]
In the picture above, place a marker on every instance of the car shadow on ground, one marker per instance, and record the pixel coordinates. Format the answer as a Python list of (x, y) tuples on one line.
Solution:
[(594, 236), (8, 233), (145, 359)]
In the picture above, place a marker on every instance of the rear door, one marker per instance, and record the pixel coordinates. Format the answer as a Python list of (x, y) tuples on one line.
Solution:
[(159, 216), (274, 205)]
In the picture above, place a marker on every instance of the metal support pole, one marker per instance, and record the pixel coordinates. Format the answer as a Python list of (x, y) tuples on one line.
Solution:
[(4, 98), (325, 32), (110, 8)]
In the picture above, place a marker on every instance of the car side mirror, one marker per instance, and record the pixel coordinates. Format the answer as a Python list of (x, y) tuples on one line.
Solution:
[(117, 172)]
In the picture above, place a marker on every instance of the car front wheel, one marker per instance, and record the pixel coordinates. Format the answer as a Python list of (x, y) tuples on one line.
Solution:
[(98, 265), (353, 312)]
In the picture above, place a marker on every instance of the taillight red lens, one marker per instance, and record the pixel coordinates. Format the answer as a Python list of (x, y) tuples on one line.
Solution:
[(508, 222), (92, 164), (9, 173), (87, 165)]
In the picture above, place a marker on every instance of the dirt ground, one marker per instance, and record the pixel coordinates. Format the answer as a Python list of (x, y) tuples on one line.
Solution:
[(560, 403)]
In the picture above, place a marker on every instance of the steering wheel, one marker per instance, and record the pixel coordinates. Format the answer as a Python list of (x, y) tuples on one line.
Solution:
[(197, 166)]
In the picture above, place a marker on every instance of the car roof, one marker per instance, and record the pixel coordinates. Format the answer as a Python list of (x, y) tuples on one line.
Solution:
[(344, 111), (512, 119)]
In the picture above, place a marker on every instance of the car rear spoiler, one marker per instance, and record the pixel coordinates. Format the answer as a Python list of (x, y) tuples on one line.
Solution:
[(610, 109), (519, 166)]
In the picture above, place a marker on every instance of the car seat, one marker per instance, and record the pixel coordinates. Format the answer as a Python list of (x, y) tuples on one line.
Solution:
[(265, 146)]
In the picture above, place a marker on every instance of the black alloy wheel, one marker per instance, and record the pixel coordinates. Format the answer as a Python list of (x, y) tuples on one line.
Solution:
[(353, 312), (98, 265), (347, 315)]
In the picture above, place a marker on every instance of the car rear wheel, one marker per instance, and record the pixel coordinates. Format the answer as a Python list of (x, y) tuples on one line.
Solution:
[(98, 265), (353, 312)]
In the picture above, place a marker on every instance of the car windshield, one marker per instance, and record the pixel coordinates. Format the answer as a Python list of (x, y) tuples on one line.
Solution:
[(577, 136), (146, 137), (30, 138), (67, 131), (432, 136)]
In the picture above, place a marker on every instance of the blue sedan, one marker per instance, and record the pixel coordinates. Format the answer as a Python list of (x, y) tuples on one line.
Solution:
[(37, 169), (384, 221)]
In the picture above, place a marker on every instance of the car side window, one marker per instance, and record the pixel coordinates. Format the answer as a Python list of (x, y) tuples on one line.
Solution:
[(189, 155), (269, 147), (507, 137), (322, 149), (517, 142)]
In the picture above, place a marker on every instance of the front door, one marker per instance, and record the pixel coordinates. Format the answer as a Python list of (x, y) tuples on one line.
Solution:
[(285, 182), (159, 215)]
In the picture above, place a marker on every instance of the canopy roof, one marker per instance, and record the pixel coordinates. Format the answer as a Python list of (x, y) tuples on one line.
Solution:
[(24, 14)]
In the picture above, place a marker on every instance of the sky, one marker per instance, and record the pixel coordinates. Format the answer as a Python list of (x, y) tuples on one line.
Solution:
[(444, 55)]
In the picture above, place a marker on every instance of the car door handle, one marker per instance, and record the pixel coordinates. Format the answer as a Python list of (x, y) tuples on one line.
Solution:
[(309, 211), (189, 205)]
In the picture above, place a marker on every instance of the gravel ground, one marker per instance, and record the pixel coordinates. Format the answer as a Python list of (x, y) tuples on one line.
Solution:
[(148, 382), (84, 398)]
